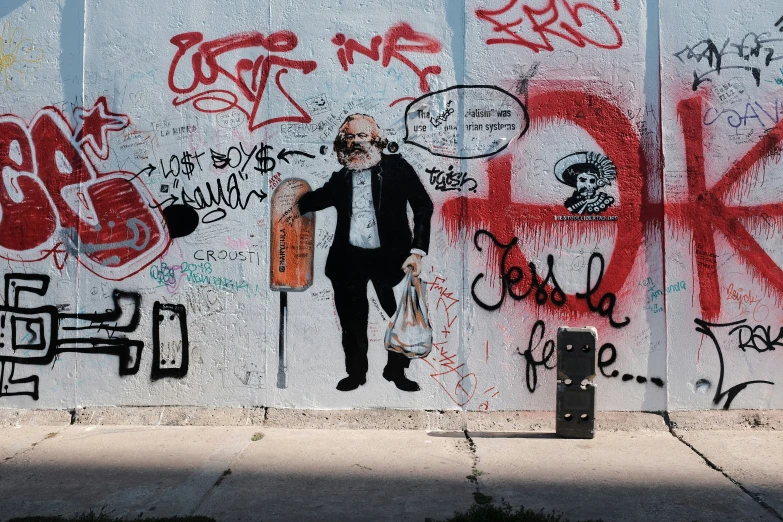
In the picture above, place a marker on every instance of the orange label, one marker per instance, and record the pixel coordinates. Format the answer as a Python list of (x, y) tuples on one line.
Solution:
[(292, 241)]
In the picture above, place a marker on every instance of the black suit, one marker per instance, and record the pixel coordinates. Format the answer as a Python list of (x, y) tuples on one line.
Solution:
[(394, 185)]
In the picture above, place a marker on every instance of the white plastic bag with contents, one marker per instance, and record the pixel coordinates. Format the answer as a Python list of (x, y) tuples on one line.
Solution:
[(409, 331)]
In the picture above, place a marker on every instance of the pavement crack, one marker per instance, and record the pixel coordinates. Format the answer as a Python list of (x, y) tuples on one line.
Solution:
[(475, 472), (754, 496), (220, 479), (32, 446)]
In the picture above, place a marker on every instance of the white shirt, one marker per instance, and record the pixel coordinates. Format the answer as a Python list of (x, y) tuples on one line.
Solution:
[(364, 227)]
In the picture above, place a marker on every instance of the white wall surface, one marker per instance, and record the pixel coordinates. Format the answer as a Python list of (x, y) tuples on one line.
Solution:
[(113, 112)]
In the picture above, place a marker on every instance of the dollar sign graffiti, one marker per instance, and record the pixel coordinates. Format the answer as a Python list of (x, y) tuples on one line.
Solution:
[(265, 163), (186, 165)]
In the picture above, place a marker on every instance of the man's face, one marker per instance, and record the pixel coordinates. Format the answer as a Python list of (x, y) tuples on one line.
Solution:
[(355, 149), (586, 184)]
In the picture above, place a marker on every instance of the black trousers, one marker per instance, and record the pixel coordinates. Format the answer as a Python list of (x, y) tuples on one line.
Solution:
[(353, 309)]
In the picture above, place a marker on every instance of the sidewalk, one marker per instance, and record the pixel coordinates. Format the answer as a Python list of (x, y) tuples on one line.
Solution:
[(622, 474)]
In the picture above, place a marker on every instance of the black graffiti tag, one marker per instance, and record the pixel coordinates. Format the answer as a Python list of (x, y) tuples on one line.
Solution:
[(531, 364), (512, 276), (704, 327)]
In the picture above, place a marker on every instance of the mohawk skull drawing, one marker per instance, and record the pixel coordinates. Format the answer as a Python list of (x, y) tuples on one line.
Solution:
[(587, 172)]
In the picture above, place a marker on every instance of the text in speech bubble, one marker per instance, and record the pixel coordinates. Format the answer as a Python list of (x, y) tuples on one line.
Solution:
[(465, 121)]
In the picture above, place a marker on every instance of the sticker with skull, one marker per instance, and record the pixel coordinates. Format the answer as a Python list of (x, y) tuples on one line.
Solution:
[(587, 172)]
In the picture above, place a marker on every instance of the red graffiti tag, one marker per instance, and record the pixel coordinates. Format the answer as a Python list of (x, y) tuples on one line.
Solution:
[(392, 49), (217, 87), (705, 211), (464, 382), (55, 202), (546, 22), (616, 137)]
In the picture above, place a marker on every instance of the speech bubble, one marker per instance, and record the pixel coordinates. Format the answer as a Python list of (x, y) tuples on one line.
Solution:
[(465, 121)]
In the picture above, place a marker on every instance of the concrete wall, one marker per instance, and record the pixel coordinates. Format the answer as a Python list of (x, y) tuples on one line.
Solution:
[(150, 151)]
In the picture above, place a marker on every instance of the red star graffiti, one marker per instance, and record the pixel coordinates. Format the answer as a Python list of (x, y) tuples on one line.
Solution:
[(93, 126), (705, 211)]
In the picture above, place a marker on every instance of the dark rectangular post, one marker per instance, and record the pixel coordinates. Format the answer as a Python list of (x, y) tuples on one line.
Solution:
[(576, 362)]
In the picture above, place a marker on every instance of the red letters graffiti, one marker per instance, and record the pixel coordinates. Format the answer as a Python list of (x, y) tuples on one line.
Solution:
[(392, 48), (616, 137), (217, 87), (546, 22), (705, 211), (54, 202)]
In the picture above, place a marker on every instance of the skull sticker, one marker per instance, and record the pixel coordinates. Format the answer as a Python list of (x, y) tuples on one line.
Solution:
[(587, 172)]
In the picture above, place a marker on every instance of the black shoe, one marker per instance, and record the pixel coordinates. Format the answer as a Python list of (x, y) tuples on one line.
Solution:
[(351, 382), (400, 381)]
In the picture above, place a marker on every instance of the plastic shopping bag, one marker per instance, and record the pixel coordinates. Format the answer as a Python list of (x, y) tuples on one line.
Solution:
[(409, 331)]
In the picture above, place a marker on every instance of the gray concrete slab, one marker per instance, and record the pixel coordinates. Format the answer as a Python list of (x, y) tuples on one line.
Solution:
[(752, 458), (640, 476), (124, 470), (727, 420), (25, 417), (345, 475), (325, 475), (16, 440)]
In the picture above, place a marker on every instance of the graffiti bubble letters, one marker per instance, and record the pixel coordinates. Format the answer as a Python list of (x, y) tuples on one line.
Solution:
[(55, 202), (752, 53), (447, 180), (547, 22), (705, 328), (392, 49), (36, 335), (212, 86)]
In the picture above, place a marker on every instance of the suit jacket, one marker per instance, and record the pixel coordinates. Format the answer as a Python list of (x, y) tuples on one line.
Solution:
[(394, 185)]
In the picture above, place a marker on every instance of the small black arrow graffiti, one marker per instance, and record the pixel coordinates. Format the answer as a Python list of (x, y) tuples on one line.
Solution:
[(283, 154), (171, 199), (148, 170)]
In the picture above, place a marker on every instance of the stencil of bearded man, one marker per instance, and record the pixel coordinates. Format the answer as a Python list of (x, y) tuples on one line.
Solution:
[(373, 241), (587, 172)]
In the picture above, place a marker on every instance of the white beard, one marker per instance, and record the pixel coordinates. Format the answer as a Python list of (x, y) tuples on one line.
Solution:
[(360, 160)]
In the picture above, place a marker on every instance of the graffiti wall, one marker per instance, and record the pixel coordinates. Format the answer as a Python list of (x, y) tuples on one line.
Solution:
[(394, 206), (721, 82)]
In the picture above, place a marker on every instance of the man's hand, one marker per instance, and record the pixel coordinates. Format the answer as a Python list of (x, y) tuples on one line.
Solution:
[(413, 261)]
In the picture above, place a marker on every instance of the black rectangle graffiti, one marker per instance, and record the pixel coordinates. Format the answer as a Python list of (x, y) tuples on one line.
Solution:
[(163, 365)]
